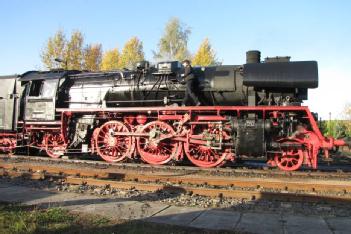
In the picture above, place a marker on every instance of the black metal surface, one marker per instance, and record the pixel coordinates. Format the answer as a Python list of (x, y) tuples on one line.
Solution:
[(218, 85), (8, 102), (284, 83), (281, 75), (43, 75), (250, 137), (9, 77), (253, 56), (225, 85)]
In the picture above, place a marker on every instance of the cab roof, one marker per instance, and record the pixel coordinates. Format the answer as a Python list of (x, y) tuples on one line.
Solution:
[(43, 75)]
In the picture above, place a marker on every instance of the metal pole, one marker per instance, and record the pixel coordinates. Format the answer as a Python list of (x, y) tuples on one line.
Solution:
[(330, 126)]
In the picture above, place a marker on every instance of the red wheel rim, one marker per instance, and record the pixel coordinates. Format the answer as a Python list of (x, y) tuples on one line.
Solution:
[(12, 145), (201, 153), (110, 147), (54, 145), (8, 144), (158, 147), (204, 156), (289, 160)]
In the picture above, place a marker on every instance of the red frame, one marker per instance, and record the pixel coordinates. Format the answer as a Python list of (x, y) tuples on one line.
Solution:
[(238, 109), (169, 113)]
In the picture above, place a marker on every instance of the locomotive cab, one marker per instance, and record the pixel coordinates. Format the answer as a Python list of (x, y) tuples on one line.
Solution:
[(39, 98)]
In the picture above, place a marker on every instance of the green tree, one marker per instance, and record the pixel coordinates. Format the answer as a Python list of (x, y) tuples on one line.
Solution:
[(334, 128), (205, 55), (110, 60), (92, 56), (339, 128), (347, 119), (74, 51), (54, 48), (132, 53), (174, 42)]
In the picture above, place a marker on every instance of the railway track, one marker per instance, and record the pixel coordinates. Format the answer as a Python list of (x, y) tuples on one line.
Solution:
[(242, 170), (296, 187)]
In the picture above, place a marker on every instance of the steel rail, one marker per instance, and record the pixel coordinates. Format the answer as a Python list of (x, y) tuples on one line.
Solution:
[(203, 191), (283, 184)]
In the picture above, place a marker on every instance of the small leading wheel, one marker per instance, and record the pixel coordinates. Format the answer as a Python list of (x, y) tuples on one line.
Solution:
[(54, 145), (157, 146), (289, 159), (113, 147), (204, 156), (8, 144)]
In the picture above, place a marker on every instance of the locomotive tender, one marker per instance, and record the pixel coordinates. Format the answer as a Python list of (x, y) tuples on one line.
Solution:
[(249, 110)]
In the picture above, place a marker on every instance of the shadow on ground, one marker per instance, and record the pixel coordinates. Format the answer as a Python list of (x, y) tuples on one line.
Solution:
[(144, 213)]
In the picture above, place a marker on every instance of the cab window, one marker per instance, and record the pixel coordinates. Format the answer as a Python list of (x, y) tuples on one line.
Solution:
[(49, 88), (43, 88), (35, 88)]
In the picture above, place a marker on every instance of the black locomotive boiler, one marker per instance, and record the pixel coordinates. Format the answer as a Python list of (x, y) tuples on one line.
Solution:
[(277, 82)]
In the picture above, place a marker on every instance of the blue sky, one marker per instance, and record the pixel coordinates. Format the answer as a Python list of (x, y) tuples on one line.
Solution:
[(305, 30)]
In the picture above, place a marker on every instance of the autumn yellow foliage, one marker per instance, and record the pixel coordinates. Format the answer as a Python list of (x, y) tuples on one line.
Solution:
[(55, 48), (132, 53), (205, 56), (92, 56), (110, 60), (74, 51)]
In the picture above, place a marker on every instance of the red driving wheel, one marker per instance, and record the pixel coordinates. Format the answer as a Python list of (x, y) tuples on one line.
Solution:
[(54, 145), (157, 146), (204, 156), (112, 147), (201, 147)]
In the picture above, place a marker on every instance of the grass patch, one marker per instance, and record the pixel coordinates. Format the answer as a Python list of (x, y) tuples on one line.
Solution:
[(18, 219), (15, 218)]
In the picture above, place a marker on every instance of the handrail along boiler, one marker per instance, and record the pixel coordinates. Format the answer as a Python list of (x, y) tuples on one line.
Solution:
[(249, 110)]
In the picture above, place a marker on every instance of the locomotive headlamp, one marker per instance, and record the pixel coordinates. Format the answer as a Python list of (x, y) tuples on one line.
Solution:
[(59, 60)]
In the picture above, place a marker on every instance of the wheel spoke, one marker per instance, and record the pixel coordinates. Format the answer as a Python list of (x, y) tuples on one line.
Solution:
[(113, 148), (158, 148), (289, 159), (54, 145), (205, 156)]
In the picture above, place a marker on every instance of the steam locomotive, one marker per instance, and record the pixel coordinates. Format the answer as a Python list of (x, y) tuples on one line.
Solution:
[(252, 110)]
